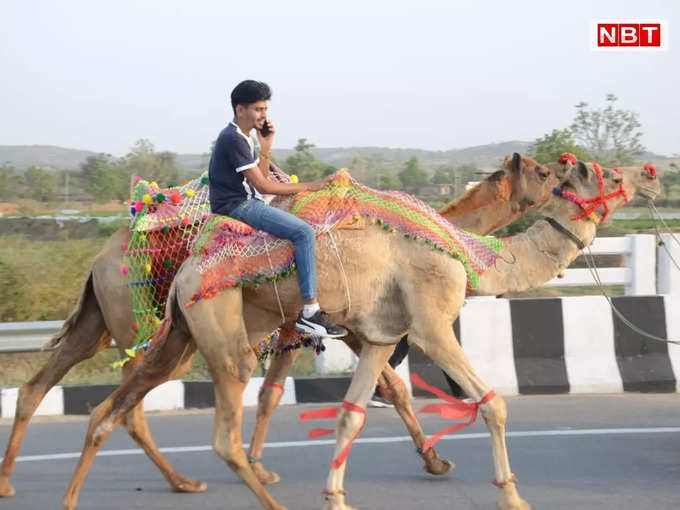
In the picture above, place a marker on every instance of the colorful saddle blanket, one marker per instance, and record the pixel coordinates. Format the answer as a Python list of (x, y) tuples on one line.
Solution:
[(233, 254)]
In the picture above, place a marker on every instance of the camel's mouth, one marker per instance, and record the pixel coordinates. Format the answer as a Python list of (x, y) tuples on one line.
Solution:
[(649, 193)]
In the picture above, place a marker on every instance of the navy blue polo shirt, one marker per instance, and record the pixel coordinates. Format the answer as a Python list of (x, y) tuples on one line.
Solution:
[(234, 152)]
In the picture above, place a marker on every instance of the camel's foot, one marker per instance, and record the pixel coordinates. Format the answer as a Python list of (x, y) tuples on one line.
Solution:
[(435, 465), (6, 490), (68, 503), (336, 502), (265, 477), (509, 499), (182, 484)]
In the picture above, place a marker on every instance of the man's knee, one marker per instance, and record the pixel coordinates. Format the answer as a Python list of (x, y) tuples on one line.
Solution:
[(306, 234)]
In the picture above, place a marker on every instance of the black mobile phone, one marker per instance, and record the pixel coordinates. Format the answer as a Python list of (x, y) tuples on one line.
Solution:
[(265, 129)]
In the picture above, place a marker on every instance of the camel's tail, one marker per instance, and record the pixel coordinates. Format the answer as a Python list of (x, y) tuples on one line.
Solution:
[(87, 292)]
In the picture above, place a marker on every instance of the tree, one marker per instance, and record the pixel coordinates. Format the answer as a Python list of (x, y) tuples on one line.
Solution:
[(444, 175), (609, 135), (549, 148), (10, 183), (670, 178), (388, 181), (153, 166), (304, 164), (412, 176), (40, 184)]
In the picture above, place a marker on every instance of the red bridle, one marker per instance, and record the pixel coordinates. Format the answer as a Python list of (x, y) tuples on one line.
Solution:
[(590, 205)]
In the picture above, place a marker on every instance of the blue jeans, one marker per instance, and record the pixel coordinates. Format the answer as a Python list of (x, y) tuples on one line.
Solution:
[(282, 224)]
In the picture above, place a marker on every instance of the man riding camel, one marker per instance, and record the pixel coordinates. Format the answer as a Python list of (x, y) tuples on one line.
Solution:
[(237, 182)]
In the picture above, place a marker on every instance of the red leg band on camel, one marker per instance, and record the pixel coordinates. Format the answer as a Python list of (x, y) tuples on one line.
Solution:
[(332, 412), (273, 385), (454, 410)]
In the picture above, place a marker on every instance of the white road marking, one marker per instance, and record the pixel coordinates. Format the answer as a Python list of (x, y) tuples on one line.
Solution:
[(365, 440)]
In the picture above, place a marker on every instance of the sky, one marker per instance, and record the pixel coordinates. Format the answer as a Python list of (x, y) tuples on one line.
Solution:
[(420, 74)]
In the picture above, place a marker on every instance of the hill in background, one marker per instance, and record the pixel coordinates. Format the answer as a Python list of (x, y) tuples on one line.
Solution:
[(483, 156)]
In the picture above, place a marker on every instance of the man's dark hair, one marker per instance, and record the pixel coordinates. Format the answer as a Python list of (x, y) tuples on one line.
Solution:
[(249, 92)]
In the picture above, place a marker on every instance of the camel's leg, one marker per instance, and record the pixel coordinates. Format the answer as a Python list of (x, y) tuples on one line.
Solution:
[(269, 398), (443, 348), (170, 351), (82, 336), (227, 441), (138, 428), (394, 390), (373, 359)]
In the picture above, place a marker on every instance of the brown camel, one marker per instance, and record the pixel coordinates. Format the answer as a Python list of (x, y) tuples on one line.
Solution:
[(104, 310), (397, 286)]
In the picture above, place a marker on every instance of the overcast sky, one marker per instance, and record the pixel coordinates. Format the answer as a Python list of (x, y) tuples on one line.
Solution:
[(435, 75)]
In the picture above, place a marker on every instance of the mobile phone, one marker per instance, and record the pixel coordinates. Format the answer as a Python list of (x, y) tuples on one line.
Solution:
[(265, 131)]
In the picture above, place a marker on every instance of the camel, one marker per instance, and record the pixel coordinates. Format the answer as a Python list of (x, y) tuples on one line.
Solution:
[(104, 309), (494, 203), (397, 286)]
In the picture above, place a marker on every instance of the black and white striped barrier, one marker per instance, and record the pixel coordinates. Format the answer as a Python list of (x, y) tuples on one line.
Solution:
[(518, 346)]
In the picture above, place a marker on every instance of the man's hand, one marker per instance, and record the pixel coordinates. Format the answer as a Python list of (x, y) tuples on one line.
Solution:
[(266, 142), (315, 186)]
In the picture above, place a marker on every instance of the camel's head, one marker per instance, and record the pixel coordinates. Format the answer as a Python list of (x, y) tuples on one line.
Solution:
[(594, 192), (641, 180), (532, 183)]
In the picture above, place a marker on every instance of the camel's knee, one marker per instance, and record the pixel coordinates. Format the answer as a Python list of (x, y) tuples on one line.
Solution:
[(495, 412), (99, 430), (231, 453), (246, 366), (350, 421)]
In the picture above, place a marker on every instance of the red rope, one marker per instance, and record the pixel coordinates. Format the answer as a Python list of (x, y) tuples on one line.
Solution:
[(332, 412), (454, 410), (273, 385)]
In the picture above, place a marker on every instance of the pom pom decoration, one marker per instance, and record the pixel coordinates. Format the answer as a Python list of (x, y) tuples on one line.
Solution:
[(185, 221), (139, 206), (567, 157), (205, 180), (190, 193), (137, 178), (175, 198), (124, 270), (147, 198), (154, 184), (125, 246), (651, 169), (148, 268), (160, 198), (167, 263), (135, 327), (294, 179)]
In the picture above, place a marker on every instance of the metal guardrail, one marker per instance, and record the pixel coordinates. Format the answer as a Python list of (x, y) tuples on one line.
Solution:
[(26, 336)]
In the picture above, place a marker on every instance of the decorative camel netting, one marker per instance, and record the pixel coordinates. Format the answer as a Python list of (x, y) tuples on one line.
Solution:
[(170, 224)]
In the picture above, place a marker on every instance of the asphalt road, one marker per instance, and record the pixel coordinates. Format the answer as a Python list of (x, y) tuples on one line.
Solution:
[(584, 452)]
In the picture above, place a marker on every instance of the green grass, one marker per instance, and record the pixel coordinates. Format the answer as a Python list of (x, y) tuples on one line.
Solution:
[(41, 280)]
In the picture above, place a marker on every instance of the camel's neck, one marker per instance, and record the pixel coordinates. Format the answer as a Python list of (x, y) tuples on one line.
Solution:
[(534, 257), (484, 208)]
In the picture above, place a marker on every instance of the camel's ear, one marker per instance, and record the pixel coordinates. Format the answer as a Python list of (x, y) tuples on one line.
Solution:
[(583, 170), (514, 163)]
